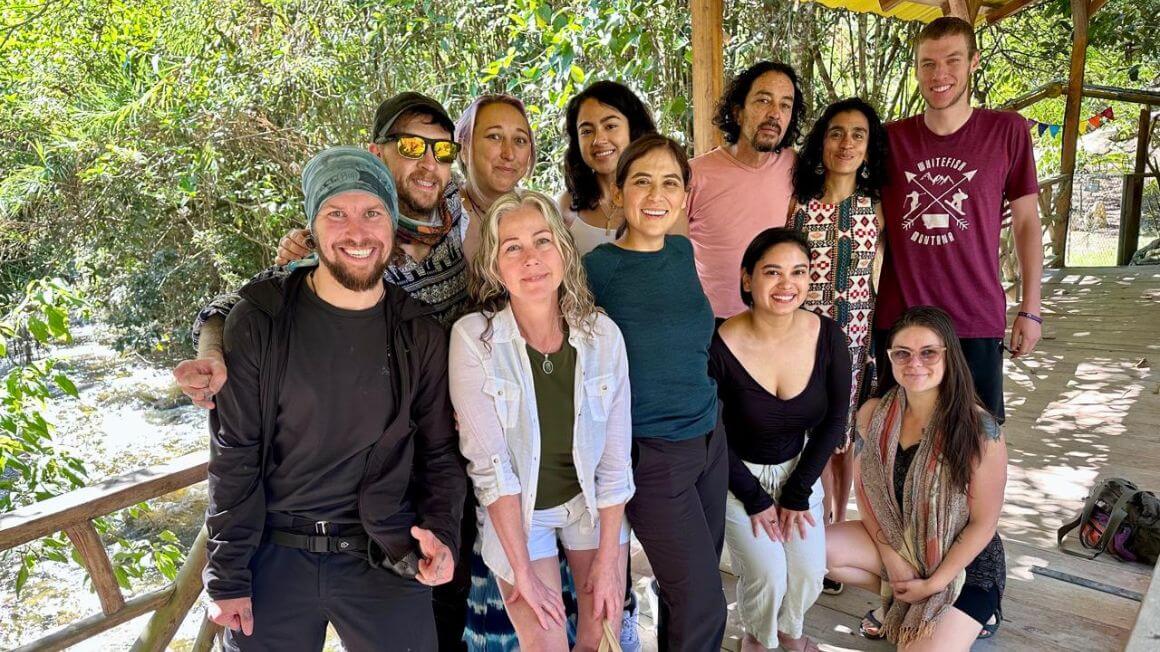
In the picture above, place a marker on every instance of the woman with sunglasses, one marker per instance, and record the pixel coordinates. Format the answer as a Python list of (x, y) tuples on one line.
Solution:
[(929, 481), (647, 283), (600, 122), (837, 181), (783, 378), (539, 382), (498, 151)]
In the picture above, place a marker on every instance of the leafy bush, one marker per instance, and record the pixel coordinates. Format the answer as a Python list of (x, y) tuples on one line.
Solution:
[(32, 468)]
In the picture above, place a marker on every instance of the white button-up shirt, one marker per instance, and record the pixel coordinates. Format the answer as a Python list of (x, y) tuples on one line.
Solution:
[(499, 432)]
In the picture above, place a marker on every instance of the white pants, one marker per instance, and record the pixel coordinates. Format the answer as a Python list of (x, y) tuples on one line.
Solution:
[(777, 582)]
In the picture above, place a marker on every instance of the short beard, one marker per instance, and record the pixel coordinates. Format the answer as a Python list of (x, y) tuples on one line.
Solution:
[(348, 279), (410, 207)]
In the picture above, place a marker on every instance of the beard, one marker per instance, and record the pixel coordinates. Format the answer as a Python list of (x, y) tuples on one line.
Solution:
[(349, 278), (763, 144), (411, 205)]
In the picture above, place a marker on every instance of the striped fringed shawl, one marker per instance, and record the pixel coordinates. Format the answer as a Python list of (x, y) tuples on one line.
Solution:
[(923, 528)]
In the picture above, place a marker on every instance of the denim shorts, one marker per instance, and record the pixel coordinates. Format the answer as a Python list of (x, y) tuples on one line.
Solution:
[(570, 524)]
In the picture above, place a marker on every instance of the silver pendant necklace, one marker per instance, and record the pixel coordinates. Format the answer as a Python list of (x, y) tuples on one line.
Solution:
[(547, 365)]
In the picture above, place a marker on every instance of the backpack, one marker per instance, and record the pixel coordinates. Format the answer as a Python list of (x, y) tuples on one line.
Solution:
[(1120, 518)]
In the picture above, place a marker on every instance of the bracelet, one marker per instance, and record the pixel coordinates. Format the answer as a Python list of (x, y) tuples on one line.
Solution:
[(1035, 318)]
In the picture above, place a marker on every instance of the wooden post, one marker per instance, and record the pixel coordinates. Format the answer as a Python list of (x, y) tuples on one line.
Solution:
[(708, 69), (1071, 118), (206, 635), (164, 622), (968, 10), (92, 553), (1132, 203)]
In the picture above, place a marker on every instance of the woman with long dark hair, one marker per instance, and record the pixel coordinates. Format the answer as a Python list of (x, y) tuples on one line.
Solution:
[(647, 283), (837, 180), (600, 122), (783, 378), (929, 481)]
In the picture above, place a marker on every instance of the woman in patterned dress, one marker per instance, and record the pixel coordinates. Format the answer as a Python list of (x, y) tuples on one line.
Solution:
[(836, 188)]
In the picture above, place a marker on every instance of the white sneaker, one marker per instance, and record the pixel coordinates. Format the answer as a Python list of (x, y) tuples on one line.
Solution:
[(629, 636)]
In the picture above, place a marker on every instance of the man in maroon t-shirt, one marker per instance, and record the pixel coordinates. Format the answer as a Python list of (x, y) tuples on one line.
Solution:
[(951, 168)]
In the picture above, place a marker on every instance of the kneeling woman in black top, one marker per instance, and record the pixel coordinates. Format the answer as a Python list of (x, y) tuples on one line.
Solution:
[(783, 377)]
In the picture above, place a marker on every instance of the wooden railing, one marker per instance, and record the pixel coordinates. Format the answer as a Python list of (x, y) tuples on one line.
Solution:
[(1053, 226), (73, 514)]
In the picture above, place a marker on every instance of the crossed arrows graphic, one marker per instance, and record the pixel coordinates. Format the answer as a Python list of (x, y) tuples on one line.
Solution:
[(914, 213)]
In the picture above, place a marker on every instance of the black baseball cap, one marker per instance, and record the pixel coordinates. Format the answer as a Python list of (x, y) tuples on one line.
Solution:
[(392, 108)]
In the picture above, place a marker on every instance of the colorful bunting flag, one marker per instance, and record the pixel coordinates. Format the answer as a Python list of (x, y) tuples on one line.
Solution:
[(1085, 126)]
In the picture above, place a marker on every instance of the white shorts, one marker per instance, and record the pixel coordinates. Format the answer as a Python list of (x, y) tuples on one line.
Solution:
[(570, 524)]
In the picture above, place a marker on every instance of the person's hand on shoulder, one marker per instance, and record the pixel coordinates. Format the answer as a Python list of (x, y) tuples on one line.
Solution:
[(295, 245)]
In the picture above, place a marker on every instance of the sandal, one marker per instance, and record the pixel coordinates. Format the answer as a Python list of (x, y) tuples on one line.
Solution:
[(831, 587), (991, 627), (874, 631)]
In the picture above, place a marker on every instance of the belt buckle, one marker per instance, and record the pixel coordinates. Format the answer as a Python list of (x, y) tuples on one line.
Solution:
[(320, 541)]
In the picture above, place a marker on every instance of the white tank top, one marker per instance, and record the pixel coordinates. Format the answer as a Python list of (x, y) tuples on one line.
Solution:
[(586, 236)]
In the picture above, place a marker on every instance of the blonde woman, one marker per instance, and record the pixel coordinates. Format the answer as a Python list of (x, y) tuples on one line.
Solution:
[(539, 379)]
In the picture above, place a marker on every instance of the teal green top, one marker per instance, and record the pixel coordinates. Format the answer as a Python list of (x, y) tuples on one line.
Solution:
[(656, 299), (554, 377)]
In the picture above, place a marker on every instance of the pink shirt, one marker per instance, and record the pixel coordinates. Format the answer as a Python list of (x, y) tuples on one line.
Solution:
[(730, 203), (943, 207)]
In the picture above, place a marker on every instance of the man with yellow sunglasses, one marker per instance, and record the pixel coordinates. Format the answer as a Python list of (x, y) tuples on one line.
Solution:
[(412, 135)]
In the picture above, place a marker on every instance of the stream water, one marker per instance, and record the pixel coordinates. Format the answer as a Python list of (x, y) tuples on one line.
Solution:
[(129, 415)]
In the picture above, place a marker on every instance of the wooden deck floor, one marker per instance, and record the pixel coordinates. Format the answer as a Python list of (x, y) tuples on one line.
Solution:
[(1085, 405)]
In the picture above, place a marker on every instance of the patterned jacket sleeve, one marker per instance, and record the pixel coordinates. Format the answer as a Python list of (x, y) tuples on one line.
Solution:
[(222, 304)]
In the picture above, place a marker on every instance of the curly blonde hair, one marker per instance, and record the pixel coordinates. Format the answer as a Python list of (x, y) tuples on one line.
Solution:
[(487, 290)]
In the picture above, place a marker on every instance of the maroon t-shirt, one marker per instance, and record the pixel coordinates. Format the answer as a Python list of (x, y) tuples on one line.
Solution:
[(943, 209)]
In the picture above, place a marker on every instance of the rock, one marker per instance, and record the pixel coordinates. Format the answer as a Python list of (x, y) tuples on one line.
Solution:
[(1147, 255)]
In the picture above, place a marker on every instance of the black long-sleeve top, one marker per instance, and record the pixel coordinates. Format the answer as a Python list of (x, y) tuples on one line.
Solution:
[(764, 429)]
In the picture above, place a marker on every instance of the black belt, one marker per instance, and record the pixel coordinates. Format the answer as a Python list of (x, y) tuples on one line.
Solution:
[(319, 542)]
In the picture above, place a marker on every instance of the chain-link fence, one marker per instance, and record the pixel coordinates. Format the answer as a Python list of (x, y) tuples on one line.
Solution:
[(1094, 230)]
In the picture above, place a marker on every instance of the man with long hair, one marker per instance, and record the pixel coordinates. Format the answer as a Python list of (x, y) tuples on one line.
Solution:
[(744, 187)]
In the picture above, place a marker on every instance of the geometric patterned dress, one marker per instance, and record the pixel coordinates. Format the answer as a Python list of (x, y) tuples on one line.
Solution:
[(843, 243)]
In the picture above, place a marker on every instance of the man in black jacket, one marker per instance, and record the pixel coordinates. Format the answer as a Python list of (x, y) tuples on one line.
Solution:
[(334, 483)]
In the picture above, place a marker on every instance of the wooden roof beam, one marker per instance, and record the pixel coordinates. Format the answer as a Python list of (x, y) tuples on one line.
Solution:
[(999, 13), (968, 10), (887, 5)]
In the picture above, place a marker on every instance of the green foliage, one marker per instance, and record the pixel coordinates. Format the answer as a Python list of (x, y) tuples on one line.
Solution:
[(32, 467), (152, 148)]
